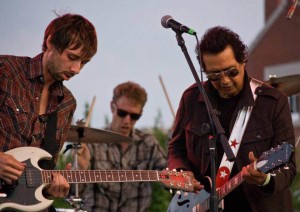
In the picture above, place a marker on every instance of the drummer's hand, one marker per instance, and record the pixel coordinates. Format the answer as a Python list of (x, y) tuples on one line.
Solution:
[(84, 157), (10, 168)]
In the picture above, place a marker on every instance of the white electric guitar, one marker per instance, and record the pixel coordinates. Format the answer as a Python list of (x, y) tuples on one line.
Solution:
[(26, 193)]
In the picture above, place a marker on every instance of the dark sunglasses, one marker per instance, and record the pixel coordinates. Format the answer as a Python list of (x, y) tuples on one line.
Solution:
[(215, 76), (123, 114)]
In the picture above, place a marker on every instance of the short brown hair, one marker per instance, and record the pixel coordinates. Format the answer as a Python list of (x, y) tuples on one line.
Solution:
[(72, 29), (131, 90)]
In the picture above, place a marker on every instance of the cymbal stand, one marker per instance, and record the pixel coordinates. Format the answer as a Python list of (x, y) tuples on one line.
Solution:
[(75, 201)]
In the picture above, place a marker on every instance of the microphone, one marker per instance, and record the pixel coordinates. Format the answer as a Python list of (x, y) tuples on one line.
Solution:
[(168, 22)]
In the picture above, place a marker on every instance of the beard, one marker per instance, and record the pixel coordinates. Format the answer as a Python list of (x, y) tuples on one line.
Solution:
[(53, 70)]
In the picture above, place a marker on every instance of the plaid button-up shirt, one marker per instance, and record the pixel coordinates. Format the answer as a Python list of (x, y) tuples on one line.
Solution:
[(144, 153), (21, 85)]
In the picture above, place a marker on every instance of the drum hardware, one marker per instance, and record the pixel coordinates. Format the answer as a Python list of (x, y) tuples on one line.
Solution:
[(290, 85)]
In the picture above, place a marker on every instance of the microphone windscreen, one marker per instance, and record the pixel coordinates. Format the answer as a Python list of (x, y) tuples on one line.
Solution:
[(164, 21)]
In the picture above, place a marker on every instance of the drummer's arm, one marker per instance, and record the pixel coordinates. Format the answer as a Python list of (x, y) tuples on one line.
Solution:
[(84, 157)]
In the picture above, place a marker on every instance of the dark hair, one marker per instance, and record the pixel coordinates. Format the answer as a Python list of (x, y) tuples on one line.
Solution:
[(69, 30), (216, 39), (131, 90)]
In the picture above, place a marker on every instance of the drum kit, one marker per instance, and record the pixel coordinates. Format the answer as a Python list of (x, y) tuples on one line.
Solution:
[(82, 134), (78, 134), (290, 85)]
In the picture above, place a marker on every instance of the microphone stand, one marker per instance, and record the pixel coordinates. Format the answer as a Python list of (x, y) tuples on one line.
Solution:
[(216, 128)]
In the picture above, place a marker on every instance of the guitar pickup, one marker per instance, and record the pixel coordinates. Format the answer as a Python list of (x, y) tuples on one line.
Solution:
[(30, 178)]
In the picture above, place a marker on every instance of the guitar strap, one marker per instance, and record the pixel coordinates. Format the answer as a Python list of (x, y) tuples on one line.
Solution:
[(236, 138), (50, 144)]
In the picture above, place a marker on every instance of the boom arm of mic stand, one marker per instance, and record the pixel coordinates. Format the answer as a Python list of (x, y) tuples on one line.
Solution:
[(217, 128)]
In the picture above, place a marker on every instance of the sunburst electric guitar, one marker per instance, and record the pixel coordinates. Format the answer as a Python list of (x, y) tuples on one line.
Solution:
[(269, 160), (26, 193)]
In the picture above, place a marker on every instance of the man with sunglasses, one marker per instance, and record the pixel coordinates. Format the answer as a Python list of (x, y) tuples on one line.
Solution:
[(266, 125), (143, 153)]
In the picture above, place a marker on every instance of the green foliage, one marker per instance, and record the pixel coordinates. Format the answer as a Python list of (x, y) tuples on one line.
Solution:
[(63, 160), (86, 109), (161, 197), (61, 164), (60, 203), (106, 121)]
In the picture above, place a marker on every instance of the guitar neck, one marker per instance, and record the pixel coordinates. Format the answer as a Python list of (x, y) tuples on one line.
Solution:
[(98, 176), (230, 185), (224, 190)]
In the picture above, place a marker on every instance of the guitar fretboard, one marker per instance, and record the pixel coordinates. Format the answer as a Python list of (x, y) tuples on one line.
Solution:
[(95, 176), (224, 190), (230, 185)]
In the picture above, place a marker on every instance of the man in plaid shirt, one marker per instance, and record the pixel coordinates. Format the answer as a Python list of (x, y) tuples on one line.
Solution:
[(143, 153), (31, 90)]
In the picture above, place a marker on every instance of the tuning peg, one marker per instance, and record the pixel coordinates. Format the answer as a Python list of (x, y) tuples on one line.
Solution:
[(286, 167), (167, 169), (171, 191), (176, 173), (273, 174), (178, 192)]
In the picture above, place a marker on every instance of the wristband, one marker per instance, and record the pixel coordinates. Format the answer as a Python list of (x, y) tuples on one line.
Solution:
[(267, 180)]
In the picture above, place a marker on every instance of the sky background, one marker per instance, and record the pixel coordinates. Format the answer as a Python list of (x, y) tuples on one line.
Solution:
[(133, 45)]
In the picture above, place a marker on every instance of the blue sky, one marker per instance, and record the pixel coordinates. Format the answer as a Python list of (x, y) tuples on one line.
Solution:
[(133, 45)]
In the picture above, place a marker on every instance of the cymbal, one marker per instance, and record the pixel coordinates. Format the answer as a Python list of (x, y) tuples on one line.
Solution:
[(92, 135), (290, 85)]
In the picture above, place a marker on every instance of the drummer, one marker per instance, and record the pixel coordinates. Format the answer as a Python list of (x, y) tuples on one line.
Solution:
[(142, 153)]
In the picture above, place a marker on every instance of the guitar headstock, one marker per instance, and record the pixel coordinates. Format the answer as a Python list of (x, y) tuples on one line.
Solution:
[(275, 157), (178, 180)]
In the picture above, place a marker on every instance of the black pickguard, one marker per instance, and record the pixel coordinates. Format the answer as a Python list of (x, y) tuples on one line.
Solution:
[(22, 191)]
